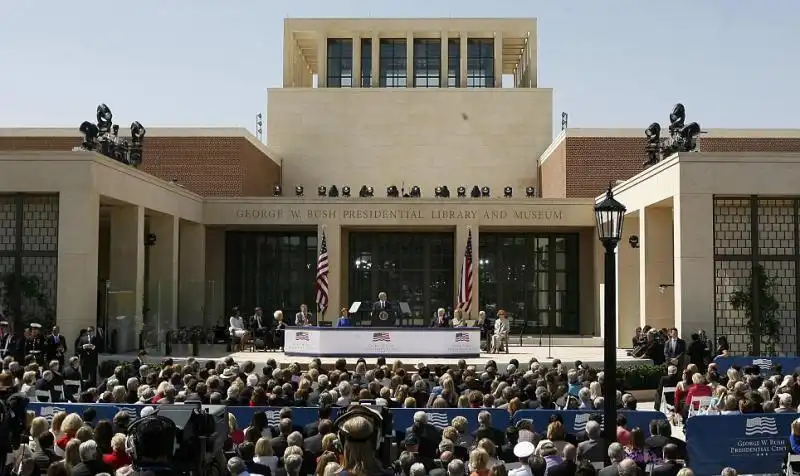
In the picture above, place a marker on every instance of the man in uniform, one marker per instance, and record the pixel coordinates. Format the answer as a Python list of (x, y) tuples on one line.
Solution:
[(56, 346), (34, 344), (89, 347)]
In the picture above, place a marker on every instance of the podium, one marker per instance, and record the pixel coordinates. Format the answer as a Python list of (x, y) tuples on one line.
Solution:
[(384, 317)]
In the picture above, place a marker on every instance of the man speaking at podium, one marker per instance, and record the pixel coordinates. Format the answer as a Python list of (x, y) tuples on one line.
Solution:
[(383, 313)]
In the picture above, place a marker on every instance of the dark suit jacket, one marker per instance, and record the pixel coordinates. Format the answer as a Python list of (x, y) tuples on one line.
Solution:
[(657, 444), (43, 459), (611, 470), (313, 444), (564, 468), (669, 468), (497, 436), (444, 323), (279, 445), (50, 346), (429, 437), (666, 381), (376, 309), (680, 348), (91, 468), (592, 450)]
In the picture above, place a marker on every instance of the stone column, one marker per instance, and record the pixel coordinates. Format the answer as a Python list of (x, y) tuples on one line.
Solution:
[(356, 61), (463, 60), (215, 276), (694, 257), (337, 260), (163, 282), (376, 60), (444, 53), (192, 275), (410, 59), (498, 60), (628, 311), (78, 243), (656, 308), (322, 60), (126, 292), (462, 235)]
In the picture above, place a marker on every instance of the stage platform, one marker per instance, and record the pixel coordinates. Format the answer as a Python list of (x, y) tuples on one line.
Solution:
[(588, 354)]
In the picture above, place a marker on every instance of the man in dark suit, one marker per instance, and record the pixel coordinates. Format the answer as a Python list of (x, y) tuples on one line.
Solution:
[(311, 429), (55, 346), (616, 453), (675, 349), (669, 381), (313, 444), (427, 436), (486, 430), (593, 448), (670, 466), (279, 443), (45, 455), (382, 311), (566, 467), (662, 436), (88, 352)]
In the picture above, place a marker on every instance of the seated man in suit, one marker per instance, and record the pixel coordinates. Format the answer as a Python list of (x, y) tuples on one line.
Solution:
[(501, 330), (593, 448), (441, 319), (670, 467), (668, 381), (303, 318)]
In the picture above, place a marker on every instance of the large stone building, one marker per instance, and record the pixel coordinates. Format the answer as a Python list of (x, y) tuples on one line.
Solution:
[(415, 104)]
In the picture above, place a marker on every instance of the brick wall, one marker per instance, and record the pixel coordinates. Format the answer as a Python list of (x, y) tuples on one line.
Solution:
[(209, 166), (593, 162)]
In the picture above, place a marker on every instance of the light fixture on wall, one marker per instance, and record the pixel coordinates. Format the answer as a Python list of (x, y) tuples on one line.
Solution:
[(333, 191), (415, 192), (476, 192), (530, 192), (662, 288), (346, 191), (366, 191), (462, 192), (485, 192), (633, 241), (442, 191), (150, 240), (392, 191), (508, 192), (277, 191), (322, 191), (298, 190)]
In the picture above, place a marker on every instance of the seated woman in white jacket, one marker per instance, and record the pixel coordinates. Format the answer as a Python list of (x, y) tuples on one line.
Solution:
[(237, 329)]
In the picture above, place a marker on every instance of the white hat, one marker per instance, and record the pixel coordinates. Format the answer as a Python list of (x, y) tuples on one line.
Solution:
[(3, 323), (36, 326), (228, 373), (523, 449), (147, 411)]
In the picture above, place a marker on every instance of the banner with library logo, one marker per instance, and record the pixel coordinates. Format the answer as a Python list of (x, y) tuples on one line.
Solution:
[(767, 365), (752, 443)]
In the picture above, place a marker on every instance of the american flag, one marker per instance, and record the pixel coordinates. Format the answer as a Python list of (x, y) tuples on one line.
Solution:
[(462, 337), (321, 284), (381, 337), (301, 336), (465, 285)]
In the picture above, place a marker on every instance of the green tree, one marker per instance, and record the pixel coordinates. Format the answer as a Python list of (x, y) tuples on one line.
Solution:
[(760, 308)]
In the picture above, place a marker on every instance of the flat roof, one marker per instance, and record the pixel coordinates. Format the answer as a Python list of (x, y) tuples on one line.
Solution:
[(713, 133), (239, 132)]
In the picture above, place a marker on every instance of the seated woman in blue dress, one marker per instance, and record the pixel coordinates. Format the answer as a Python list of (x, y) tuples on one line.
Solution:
[(344, 318)]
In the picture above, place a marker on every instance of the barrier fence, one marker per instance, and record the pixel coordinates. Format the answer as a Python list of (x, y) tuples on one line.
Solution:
[(752, 443)]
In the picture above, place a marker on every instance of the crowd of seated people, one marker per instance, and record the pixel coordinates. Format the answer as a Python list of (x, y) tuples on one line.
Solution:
[(515, 387)]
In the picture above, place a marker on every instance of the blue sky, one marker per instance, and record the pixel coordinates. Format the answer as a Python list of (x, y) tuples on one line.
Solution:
[(611, 63)]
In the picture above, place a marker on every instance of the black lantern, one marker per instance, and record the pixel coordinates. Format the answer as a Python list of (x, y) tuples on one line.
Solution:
[(609, 215)]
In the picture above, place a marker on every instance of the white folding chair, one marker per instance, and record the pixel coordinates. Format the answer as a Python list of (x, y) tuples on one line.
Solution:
[(666, 407), (71, 387), (789, 460), (703, 403), (43, 396)]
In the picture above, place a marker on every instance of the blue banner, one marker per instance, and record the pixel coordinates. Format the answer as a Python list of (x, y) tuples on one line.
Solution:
[(752, 443), (402, 417), (766, 364), (575, 420)]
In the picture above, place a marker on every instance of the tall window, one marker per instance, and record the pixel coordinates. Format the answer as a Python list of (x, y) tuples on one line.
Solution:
[(427, 63), (393, 61), (273, 270), (453, 62), (340, 62), (415, 268), (480, 63), (534, 277), (366, 62)]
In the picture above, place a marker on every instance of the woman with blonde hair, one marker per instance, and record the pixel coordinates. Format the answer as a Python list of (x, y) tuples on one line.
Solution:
[(463, 401), (118, 457), (555, 436), (84, 433), (490, 448), (458, 319), (328, 443), (71, 455), (410, 402), (69, 427), (323, 461), (264, 454), (38, 426), (359, 457), (479, 462)]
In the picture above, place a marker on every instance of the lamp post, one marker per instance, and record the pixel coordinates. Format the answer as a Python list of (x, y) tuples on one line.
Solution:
[(609, 215)]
